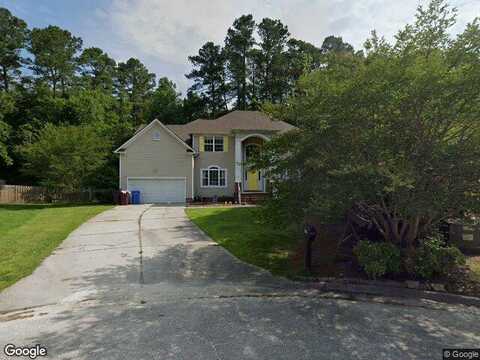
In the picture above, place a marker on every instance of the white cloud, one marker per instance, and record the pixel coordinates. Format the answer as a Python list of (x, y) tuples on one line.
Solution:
[(163, 33), (172, 30)]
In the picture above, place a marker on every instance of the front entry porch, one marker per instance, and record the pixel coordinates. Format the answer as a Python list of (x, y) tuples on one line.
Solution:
[(250, 183), (253, 179)]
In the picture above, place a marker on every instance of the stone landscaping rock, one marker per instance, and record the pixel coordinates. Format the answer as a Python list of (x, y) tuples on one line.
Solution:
[(438, 287), (411, 284)]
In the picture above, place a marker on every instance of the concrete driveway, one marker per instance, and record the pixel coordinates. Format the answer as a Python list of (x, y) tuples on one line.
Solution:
[(171, 293)]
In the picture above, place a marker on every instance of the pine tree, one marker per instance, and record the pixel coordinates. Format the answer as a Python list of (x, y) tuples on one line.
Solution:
[(238, 45), (13, 38), (272, 62), (54, 50), (209, 77)]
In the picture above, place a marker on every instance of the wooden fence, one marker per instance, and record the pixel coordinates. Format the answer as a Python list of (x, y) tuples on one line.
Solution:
[(21, 194)]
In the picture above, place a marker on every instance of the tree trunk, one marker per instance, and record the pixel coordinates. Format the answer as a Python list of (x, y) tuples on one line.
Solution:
[(393, 227), (62, 83), (244, 79)]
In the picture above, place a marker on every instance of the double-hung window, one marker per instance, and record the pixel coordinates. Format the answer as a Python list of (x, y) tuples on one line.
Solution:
[(214, 176), (218, 143), (213, 143)]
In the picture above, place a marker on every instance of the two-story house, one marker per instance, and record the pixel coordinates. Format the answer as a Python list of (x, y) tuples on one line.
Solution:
[(201, 159)]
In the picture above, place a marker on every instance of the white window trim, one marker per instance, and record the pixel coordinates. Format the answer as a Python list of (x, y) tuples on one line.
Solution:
[(213, 144), (213, 186)]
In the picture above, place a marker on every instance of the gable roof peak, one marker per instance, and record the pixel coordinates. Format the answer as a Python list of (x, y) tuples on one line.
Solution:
[(145, 128)]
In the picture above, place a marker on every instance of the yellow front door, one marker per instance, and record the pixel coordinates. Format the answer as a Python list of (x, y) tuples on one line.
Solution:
[(252, 180)]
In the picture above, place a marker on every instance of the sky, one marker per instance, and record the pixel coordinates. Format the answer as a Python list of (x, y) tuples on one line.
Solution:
[(163, 33)]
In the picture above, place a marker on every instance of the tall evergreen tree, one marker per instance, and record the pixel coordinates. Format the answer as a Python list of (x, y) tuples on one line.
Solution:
[(255, 65), (209, 77), (13, 38), (238, 45), (97, 69), (302, 57), (135, 84), (193, 107), (273, 80), (54, 50), (336, 44)]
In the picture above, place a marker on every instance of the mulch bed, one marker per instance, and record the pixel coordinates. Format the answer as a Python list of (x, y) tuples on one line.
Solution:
[(459, 282)]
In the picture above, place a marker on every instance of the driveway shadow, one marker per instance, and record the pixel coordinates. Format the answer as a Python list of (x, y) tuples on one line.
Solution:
[(201, 303)]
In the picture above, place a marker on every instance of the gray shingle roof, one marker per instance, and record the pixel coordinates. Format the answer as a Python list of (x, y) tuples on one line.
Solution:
[(232, 122)]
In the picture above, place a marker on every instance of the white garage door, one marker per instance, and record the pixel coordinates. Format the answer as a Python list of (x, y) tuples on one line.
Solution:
[(159, 190)]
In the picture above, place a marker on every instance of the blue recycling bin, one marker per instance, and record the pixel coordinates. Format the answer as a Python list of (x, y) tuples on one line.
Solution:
[(135, 197)]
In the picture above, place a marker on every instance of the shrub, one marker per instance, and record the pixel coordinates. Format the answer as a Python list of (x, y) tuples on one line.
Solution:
[(434, 258), (378, 259)]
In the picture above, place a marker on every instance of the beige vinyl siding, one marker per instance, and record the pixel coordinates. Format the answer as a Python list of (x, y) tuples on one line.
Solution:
[(166, 157), (225, 160)]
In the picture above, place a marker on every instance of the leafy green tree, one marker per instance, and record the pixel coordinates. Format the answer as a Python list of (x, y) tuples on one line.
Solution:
[(166, 104), (54, 50), (97, 69), (431, 28), (392, 138), (238, 45), (209, 77), (93, 107), (35, 107), (13, 38), (135, 84), (66, 157), (4, 133), (99, 110)]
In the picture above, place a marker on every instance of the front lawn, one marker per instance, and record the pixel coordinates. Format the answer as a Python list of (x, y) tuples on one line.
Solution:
[(29, 233), (243, 233)]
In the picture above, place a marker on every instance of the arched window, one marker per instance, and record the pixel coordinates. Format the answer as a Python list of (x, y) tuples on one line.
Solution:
[(214, 176)]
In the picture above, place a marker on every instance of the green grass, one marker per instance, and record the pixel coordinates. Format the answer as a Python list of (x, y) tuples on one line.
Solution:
[(29, 233), (242, 232)]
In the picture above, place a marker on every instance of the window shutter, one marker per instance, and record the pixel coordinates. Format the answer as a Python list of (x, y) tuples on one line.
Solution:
[(201, 144), (225, 144)]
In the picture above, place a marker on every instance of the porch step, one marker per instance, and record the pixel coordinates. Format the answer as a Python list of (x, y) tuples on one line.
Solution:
[(254, 197)]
